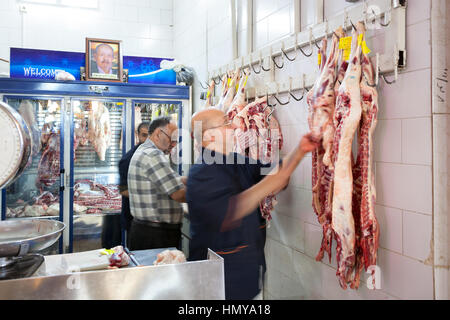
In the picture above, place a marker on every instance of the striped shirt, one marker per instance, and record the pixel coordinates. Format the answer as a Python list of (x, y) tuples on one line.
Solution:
[(151, 181)]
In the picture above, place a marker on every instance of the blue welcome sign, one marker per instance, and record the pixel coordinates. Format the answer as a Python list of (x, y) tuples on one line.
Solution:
[(45, 64)]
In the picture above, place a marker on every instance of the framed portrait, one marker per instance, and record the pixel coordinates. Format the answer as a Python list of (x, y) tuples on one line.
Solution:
[(103, 60)]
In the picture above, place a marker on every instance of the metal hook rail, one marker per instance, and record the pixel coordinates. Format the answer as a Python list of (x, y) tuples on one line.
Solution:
[(385, 63)]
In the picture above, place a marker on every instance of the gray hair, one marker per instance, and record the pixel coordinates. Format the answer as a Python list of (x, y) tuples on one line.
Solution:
[(158, 123)]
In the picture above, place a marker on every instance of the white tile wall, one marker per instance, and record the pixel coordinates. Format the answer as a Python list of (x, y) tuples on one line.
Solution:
[(143, 26), (402, 151), (416, 235)]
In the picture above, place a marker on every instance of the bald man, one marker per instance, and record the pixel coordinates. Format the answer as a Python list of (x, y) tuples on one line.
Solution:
[(223, 193)]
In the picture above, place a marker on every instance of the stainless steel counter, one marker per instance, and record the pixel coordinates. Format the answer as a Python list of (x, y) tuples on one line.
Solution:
[(190, 280)]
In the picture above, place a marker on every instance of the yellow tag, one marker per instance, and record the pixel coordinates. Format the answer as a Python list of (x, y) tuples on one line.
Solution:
[(345, 43), (360, 39), (208, 94), (228, 82), (119, 103), (245, 81), (346, 54), (319, 58), (365, 48), (107, 251)]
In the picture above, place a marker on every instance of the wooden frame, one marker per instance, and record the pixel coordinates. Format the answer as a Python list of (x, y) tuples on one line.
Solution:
[(98, 55)]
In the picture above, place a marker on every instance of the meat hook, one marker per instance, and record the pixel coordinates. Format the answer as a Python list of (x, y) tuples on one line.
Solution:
[(251, 65), (275, 63), (262, 66), (201, 84), (377, 68), (381, 23), (295, 50), (303, 89), (216, 83), (281, 103), (395, 70)]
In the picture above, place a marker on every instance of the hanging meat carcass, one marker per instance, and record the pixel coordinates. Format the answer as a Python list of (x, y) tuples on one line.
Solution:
[(137, 122), (364, 194), (48, 167), (99, 128), (346, 119), (321, 110)]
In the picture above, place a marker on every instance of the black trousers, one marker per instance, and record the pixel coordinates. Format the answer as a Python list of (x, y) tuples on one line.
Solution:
[(144, 236)]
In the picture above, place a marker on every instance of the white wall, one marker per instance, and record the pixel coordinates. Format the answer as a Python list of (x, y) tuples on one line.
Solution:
[(403, 155), (144, 26)]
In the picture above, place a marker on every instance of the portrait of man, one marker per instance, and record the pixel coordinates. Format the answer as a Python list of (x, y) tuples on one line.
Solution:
[(104, 60)]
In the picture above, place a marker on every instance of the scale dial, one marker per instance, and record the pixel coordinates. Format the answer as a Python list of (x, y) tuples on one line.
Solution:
[(15, 144)]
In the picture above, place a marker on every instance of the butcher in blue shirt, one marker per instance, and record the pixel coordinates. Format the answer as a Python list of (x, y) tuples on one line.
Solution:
[(224, 190)]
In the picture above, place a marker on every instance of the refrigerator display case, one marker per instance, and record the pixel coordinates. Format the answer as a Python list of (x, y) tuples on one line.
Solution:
[(37, 193), (80, 131)]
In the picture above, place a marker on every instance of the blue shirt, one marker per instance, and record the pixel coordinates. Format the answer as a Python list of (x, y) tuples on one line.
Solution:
[(124, 164), (208, 191)]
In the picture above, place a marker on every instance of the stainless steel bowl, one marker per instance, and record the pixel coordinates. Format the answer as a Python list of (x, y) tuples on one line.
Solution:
[(22, 236)]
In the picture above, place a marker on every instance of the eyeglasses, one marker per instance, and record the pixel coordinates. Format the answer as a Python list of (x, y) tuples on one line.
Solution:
[(171, 141)]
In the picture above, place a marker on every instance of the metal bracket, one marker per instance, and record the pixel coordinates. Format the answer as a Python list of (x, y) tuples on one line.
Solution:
[(98, 89)]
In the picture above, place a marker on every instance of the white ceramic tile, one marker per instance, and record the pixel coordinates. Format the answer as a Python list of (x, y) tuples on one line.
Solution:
[(390, 224), (263, 8), (308, 13), (279, 257), (417, 229), (272, 284), (166, 17), (313, 239), (287, 230), (404, 277), (387, 141), (409, 97), (261, 33), (149, 15), (418, 46), (404, 186), (418, 11), (416, 141), (307, 277), (162, 4), (161, 32), (279, 24)]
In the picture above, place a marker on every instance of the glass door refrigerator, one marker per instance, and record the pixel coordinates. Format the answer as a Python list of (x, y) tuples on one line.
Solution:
[(81, 129), (38, 192)]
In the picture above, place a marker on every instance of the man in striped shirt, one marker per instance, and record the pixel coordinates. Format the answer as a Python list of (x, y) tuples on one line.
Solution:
[(156, 191)]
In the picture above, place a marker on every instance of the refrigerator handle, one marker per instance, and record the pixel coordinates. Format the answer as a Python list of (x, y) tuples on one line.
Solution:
[(62, 178)]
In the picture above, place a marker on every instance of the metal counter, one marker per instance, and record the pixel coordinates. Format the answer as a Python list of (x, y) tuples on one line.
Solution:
[(197, 280)]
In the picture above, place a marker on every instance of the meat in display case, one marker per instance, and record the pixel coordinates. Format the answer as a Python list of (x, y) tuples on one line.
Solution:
[(98, 141), (37, 192), (147, 110)]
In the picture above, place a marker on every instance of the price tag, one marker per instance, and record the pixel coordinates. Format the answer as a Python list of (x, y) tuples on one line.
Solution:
[(319, 58), (345, 43), (363, 44)]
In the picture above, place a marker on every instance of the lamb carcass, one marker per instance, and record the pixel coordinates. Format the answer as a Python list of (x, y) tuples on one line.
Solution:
[(321, 101), (346, 120), (364, 193), (99, 128)]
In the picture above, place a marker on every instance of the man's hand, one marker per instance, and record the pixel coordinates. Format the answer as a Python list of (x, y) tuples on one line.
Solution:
[(184, 180), (309, 143)]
